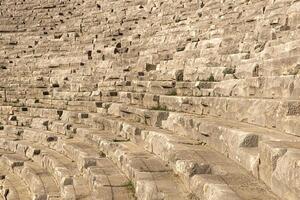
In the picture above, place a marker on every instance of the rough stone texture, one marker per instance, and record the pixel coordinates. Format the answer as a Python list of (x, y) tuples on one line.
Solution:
[(150, 99)]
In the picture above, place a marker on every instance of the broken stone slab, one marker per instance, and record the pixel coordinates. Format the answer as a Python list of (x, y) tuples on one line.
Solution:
[(279, 167), (212, 187)]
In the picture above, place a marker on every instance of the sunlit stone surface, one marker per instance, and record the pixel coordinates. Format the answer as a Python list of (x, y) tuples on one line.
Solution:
[(150, 100)]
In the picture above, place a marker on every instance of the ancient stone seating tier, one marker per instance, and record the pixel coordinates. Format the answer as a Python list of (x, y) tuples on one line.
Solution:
[(150, 100)]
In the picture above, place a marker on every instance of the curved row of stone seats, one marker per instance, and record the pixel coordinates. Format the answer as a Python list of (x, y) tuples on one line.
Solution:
[(248, 145), (67, 160), (12, 186), (260, 87), (253, 139), (250, 140), (76, 114), (204, 7), (238, 109), (41, 184), (128, 136), (149, 174)]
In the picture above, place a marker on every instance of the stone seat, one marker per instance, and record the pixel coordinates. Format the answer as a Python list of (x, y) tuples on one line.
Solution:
[(59, 166), (265, 87), (241, 142), (41, 184), (147, 172), (86, 156), (186, 158), (12, 186), (238, 109), (57, 159), (88, 132)]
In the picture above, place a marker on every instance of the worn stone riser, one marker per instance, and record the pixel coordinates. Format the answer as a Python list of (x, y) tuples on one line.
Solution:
[(234, 151), (266, 87), (12, 186), (40, 183), (141, 184), (286, 118), (66, 172), (76, 115), (237, 109)]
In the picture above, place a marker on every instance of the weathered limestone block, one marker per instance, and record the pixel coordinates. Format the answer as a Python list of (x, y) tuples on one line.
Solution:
[(279, 167), (247, 69), (147, 190), (151, 101), (6, 110), (174, 103), (68, 192), (186, 169), (40, 123), (285, 179), (125, 97), (291, 124), (225, 88), (204, 74), (36, 185), (212, 187)]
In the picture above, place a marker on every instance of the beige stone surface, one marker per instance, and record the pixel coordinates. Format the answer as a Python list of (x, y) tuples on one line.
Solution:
[(149, 100)]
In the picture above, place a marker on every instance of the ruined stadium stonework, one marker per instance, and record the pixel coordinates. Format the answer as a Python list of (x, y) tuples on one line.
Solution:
[(149, 100)]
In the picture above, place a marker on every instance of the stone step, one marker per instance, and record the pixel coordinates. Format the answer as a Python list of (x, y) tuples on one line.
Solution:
[(244, 143), (12, 187), (88, 162), (86, 156), (238, 109), (169, 146), (251, 155), (120, 133), (264, 87), (151, 177), (58, 165), (41, 184)]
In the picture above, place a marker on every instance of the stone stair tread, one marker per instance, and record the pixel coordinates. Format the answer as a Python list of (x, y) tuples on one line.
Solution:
[(58, 159), (202, 155), (264, 133), (94, 162), (79, 184), (251, 152), (49, 183), (40, 182), (139, 160), (60, 165), (18, 190)]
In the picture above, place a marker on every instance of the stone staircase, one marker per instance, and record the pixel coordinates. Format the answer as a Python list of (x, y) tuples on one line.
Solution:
[(149, 100)]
